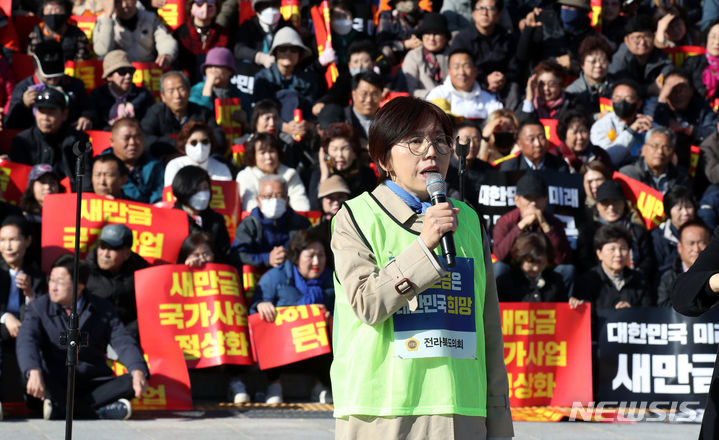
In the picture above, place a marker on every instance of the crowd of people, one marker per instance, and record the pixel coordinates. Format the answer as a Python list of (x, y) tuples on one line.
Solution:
[(500, 70)]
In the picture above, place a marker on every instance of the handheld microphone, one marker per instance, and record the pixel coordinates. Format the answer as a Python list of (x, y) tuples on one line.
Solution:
[(437, 189)]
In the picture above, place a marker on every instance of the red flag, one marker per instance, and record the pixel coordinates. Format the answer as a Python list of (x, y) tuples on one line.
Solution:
[(646, 200), (13, 181), (321, 22)]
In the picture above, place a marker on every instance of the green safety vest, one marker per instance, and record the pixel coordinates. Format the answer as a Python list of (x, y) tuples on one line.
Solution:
[(373, 372)]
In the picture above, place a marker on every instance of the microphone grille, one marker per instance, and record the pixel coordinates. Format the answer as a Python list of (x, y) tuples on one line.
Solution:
[(435, 184)]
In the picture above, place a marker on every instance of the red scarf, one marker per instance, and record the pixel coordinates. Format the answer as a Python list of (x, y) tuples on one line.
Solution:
[(548, 109)]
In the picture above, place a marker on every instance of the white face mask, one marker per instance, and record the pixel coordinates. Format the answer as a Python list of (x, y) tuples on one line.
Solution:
[(198, 153), (342, 26), (270, 16), (355, 70), (273, 208), (200, 200)]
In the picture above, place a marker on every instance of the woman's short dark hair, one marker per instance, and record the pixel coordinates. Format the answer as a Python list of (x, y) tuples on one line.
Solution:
[(258, 138), (302, 239), (398, 120), (676, 195), (591, 44), (20, 223), (191, 127), (343, 131), (192, 242), (28, 202), (566, 119), (611, 234), (262, 108), (531, 246), (598, 166), (186, 182), (554, 68), (67, 261)]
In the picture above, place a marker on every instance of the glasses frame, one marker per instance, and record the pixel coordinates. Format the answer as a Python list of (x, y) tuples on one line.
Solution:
[(426, 143)]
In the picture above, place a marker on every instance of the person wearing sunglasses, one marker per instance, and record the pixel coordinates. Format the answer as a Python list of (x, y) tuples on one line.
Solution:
[(387, 268), (196, 143), (119, 97)]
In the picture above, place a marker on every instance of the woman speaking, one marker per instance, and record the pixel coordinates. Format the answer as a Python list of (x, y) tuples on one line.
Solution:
[(418, 349)]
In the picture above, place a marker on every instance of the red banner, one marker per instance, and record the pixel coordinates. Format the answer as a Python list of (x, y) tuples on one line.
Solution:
[(596, 15), (225, 200), (148, 75), (13, 181), (169, 385), (238, 155), (158, 233), (694, 153), (390, 96), (605, 104), (89, 71), (679, 54), (291, 12), (550, 131), (173, 13), (100, 140), (646, 200), (201, 308), (86, 23), (321, 21), (225, 109), (547, 350), (246, 11), (298, 333)]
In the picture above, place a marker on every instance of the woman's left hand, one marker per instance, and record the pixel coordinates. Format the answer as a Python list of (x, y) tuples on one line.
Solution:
[(267, 311)]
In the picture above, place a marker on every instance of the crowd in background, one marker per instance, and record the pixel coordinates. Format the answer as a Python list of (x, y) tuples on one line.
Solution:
[(500, 69)]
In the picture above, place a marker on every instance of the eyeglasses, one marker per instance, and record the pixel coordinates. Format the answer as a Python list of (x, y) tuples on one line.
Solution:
[(664, 147), (194, 142), (640, 36), (487, 9), (122, 71), (419, 145)]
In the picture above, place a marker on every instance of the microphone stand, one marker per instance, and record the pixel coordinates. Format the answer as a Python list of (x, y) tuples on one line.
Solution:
[(462, 150), (72, 337)]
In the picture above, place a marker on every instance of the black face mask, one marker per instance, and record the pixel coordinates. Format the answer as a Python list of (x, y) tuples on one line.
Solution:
[(624, 109), (55, 21), (504, 140)]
